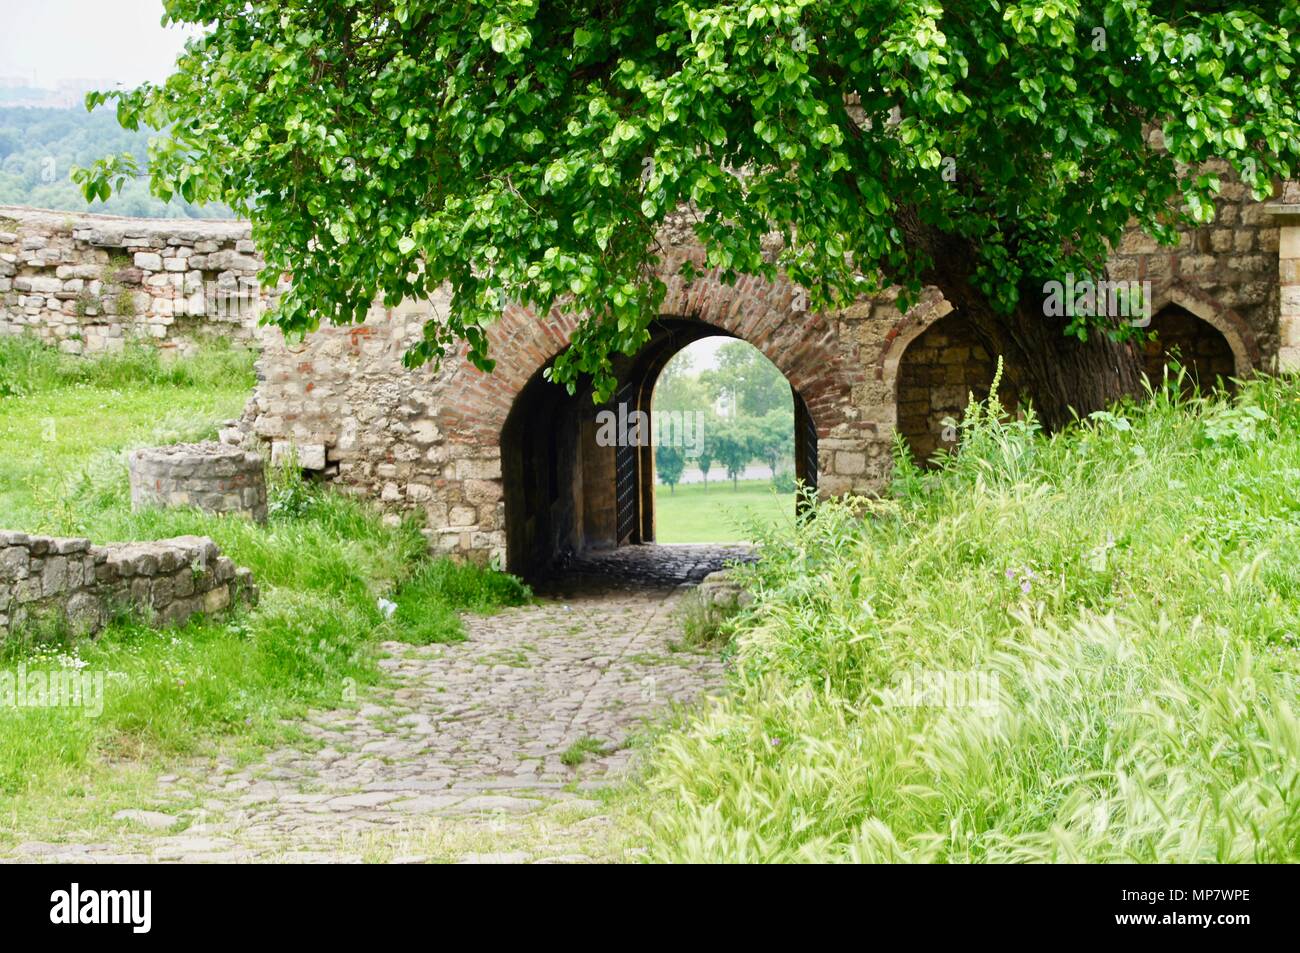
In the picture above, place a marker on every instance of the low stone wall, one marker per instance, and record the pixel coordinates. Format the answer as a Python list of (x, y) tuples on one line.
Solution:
[(71, 581), (211, 476), (91, 283)]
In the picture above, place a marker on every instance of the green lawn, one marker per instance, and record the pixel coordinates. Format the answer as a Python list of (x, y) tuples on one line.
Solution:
[(54, 445), (694, 513)]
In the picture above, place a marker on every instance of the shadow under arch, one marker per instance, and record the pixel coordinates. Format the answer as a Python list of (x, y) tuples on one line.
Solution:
[(564, 492), (1183, 302)]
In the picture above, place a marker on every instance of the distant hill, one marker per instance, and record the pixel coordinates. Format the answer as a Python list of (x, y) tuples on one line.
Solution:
[(39, 147)]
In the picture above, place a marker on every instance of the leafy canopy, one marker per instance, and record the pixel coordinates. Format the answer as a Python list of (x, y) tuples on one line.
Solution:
[(530, 152)]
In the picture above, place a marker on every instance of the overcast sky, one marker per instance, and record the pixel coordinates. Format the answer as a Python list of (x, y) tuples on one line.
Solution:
[(119, 40)]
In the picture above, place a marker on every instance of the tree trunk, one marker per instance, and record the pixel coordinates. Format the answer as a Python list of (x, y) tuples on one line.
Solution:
[(1062, 376)]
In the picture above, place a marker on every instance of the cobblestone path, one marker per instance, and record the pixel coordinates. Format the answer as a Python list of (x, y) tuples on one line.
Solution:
[(494, 749)]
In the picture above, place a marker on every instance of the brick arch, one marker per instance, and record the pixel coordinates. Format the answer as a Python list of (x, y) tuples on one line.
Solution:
[(1241, 340), (916, 321), (803, 345)]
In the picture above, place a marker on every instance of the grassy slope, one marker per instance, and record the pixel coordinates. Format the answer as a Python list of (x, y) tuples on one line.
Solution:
[(1131, 588), (719, 514), (322, 562)]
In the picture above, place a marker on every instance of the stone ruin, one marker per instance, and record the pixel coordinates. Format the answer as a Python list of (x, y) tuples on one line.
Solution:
[(72, 583), (214, 477), (92, 283), (506, 467)]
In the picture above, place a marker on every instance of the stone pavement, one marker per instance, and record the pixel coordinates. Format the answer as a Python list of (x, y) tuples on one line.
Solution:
[(489, 750)]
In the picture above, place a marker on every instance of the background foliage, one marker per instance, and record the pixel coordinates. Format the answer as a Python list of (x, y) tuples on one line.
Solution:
[(40, 147)]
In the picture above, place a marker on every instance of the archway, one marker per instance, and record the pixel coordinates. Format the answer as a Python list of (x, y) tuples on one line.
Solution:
[(724, 444), (579, 477), (938, 371), (1204, 351), (495, 468)]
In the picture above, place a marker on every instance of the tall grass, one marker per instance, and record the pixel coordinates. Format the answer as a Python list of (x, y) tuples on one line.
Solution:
[(323, 562), (1126, 591)]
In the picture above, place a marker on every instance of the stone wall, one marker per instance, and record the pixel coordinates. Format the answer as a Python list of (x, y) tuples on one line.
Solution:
[(432, 440), (342, 404), (91, 283), (70, 581), (1285, 213), (1225, 273)]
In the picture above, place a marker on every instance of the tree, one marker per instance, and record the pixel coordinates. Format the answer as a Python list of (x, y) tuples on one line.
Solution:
[(669, 464), (678, 389), (735, 445), (707, 452), (532, 151), (774, 438), (751, 383)]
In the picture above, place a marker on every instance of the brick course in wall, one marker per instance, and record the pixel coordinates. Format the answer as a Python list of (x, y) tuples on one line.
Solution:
[(83, 586)]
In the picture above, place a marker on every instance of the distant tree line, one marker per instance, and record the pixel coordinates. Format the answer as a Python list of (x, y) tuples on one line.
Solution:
[(749, 416), (39, 147)]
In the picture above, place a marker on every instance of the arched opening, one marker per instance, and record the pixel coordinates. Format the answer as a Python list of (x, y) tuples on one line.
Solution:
[(724, 444), (579, 477), (1201, 348), (939, 371)]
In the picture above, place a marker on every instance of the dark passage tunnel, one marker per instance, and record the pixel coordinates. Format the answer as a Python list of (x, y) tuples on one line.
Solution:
[(569, 494)]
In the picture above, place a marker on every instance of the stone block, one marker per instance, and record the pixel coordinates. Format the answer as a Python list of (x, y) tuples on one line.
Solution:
[(1289, 241), (54, 576), (311, 456), (13, 563), (482, 491), (462, 516), (215, 600), (850, 464)]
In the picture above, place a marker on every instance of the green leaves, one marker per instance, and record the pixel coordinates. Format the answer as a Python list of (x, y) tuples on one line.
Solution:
[(515, 151)]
